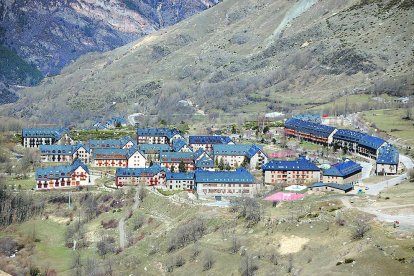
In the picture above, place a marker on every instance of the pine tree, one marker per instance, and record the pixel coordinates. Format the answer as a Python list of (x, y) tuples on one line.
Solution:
[(221, 164), (181, 167), (172, 168)]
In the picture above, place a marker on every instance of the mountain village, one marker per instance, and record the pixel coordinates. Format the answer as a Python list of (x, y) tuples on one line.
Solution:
[(211, 166)]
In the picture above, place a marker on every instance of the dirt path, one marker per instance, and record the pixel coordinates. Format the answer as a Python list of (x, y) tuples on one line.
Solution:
[(121, 224), (406, 220)]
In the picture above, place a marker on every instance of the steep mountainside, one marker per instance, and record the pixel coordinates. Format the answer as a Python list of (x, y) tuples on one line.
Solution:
[(239, 56), (48, 34)]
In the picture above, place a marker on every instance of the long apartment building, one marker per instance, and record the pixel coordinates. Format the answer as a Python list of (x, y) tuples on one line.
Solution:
[(34, 137), (299, 171), (157, 135)]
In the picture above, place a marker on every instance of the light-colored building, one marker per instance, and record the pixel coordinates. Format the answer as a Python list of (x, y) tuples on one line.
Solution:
[(34, 137), (82, 152), (226, 184), (119, 158), (152, 152), (56, 153), (207, 142), (173, 159), (300, 171), (157, 135), (235, 156), (180, 181), (152, 176), (61, 177), (387, 160), (347, 172), (369, 145)]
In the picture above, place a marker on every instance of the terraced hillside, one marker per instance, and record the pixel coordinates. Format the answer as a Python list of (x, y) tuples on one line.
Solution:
[(239, 56)]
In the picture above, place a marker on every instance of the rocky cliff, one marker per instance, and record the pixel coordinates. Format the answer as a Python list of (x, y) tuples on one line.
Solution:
[(49, 34)]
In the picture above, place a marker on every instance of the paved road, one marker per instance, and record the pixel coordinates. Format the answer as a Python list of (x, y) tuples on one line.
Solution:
[(121, 224), (375, 189)]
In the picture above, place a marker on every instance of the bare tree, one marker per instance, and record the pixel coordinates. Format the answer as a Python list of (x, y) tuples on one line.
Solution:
[(248, 266), (208, 260), (361, 228), (235, 244)]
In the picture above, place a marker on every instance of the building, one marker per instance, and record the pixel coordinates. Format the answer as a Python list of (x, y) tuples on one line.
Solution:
[(123, 143), (300, 171), (180, 145), (206, 142), (331, 187), (173, 159), (34, 137), (203, 160), (60, 177), (82, 152), (236, 155), (256, 157), (180, 181), (152, 152), (152, 176), (347, 172), (239, 183), (347, 139), (56, 153), (316, 133), (387, 161), (369, 145), (119, 158), (157, 135)]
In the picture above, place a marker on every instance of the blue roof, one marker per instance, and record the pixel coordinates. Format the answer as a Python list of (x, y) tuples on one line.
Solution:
[(179, 176), (210, 139), (254, 149), (148, 148), (204, 162), (78, 146), (174, 157), (300, 164), (199, 153), (348, 135), (108, 143), (158, 132), (139, 172), (238, 176), (57, 172), (388, 154), (231, 149), (56, 149), (371, 142), (125, 140), (178, 144), (343, 187), (318, 130), (343, 169), (55, 133)]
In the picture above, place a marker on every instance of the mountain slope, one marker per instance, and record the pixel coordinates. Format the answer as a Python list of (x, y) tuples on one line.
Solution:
[(239, 56), (51, 33)]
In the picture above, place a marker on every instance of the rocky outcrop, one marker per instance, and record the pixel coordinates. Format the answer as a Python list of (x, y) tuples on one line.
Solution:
[(51, 33)]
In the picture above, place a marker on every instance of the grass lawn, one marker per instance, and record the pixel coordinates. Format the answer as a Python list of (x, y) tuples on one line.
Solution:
[(391, 122), (25, 184), (168, 192)]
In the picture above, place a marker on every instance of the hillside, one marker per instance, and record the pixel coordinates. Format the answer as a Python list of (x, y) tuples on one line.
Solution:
[(48, 35), (239, 56)]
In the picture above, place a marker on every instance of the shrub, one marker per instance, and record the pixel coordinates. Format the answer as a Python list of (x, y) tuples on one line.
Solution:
[(112, 223), (361, 227), (208, 261)]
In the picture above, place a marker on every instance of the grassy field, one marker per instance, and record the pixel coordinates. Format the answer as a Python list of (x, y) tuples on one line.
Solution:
[(305, 239), (25, 183), (391, 121)]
